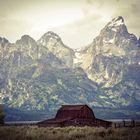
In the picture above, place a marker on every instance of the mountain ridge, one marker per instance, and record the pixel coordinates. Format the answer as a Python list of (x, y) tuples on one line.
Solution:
[(41, 75)]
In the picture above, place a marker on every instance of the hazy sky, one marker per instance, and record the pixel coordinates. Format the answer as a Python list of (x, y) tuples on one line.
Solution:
[(76, 21)]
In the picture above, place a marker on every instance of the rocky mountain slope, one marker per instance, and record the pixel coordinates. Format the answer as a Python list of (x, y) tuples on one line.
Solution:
[(114, 49), (113, 61), (42, 75), (35, 75)]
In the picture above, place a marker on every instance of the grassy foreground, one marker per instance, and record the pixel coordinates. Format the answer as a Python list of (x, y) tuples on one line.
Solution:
[(68, 133)]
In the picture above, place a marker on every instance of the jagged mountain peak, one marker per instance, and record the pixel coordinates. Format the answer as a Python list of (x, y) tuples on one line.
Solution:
[(115, 32), (54, 44), (118, 21), (119, 18), (3, 41), (50, 35), (51, 39), (25, 38), (110, 53), (116, 25)]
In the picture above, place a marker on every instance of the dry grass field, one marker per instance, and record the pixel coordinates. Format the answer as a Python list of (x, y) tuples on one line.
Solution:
[(68, 133)]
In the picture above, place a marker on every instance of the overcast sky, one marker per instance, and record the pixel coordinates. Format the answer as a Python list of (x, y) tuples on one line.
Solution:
[(77, 22)]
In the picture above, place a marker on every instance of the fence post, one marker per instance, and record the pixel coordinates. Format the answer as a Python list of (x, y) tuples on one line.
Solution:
[(133, 123), (115, 125)]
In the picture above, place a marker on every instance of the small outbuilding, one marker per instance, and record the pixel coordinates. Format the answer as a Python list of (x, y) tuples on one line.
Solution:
[(74, 115)]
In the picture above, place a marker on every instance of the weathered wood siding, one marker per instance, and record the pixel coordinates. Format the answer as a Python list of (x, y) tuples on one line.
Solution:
[(86, 113)]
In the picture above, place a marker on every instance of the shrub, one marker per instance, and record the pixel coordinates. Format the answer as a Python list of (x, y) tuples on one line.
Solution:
[(67, 133)]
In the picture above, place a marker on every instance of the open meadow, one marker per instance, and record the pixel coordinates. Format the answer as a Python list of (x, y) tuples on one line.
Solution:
[(68, 133)]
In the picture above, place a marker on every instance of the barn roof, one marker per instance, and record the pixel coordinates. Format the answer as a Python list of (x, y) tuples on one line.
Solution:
[(54, 120), (72, 107), (72, 111), (102, 120)]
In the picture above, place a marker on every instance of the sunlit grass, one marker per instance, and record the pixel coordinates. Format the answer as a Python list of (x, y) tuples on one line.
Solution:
[(67, 133)]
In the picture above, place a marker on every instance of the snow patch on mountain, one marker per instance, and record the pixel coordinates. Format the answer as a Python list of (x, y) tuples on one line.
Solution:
[(77, 58), (108, 41)]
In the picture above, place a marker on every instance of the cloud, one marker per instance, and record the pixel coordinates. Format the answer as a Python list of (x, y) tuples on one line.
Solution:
[(83, 19), (129, 9)]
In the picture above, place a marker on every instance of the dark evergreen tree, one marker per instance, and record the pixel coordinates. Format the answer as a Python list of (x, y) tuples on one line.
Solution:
[(1, 115)]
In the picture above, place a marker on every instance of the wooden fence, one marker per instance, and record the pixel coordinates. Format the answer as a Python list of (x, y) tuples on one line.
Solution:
[(126, 123)]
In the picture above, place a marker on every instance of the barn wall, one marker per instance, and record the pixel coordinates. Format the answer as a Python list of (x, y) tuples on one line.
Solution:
[(79, 122), (50, 125), (86, 112), (103, 123)]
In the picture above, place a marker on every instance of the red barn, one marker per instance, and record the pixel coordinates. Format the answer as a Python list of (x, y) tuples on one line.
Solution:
[(74, 115)]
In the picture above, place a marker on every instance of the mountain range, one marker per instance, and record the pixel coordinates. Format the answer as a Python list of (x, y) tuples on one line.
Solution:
[(40, 76)]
